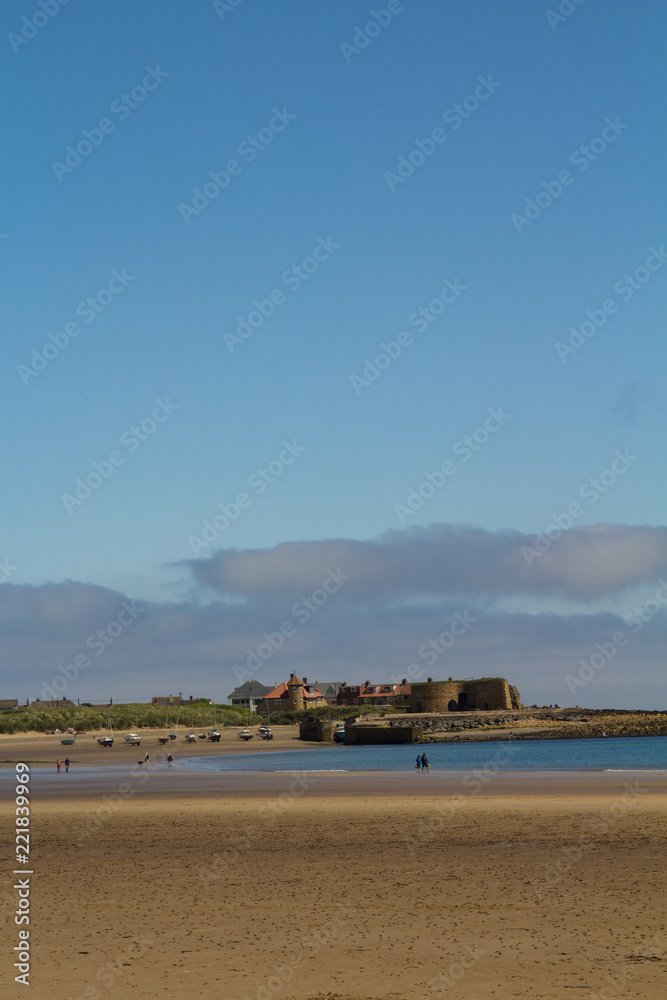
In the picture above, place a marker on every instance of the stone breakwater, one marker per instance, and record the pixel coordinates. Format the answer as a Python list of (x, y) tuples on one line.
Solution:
[(574, 725), (635, 725)]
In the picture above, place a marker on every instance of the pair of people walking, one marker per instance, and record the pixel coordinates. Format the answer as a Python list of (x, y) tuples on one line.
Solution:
[(67, 764), (422, 763)]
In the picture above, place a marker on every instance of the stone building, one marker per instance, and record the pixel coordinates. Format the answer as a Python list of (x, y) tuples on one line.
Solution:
[(293, 695), (490, 694), (375, 694)]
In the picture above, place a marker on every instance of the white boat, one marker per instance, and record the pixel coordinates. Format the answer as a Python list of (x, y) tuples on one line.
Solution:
[(245, 734), (133, 739), (190, 738)]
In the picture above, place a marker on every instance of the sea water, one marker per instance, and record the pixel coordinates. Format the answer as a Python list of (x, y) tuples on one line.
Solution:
[(627, 754)]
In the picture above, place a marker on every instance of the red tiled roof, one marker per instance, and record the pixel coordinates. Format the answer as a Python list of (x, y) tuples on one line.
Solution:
[(278, 692)]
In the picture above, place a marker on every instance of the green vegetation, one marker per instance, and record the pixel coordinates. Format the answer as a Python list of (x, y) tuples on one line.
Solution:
[(127, 717), (191, 716), (330, 712)]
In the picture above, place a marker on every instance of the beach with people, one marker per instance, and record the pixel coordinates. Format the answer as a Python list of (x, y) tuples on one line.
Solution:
[(283, 884)]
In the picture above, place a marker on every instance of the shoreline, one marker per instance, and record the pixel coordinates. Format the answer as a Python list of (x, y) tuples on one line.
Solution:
[(179, 784), (91, 756), (32, 747)]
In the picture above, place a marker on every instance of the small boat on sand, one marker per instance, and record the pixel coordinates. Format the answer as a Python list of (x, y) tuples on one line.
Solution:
[(245, 734), (190, 738), (133, 739), (107, 741)]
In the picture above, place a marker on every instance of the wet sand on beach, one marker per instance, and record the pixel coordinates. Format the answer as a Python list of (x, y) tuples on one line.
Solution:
[(39, 748), (288, 887)]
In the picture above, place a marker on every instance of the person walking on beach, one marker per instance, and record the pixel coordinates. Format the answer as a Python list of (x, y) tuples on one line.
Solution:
[(418, 762), (147, 757), (67, 763), (425, 764), (169, 759), (58, 765)]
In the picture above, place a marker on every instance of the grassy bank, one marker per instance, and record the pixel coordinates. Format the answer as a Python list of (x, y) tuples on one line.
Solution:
[(130, 717)]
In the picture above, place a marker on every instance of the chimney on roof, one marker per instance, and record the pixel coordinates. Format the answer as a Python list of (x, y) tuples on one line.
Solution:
[(305, 679), (429, 680), (404, 681)]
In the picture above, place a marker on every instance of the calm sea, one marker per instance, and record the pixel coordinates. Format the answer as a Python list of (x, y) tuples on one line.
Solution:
[(628, 754)]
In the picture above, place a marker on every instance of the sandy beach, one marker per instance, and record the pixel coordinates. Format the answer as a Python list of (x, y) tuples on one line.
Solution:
[(42, 749), (297, 886)]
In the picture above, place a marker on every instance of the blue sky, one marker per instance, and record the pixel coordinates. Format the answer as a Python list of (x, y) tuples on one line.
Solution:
[(325, 180)]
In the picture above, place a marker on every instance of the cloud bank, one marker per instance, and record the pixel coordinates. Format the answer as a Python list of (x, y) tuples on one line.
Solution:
[(350, 610)]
